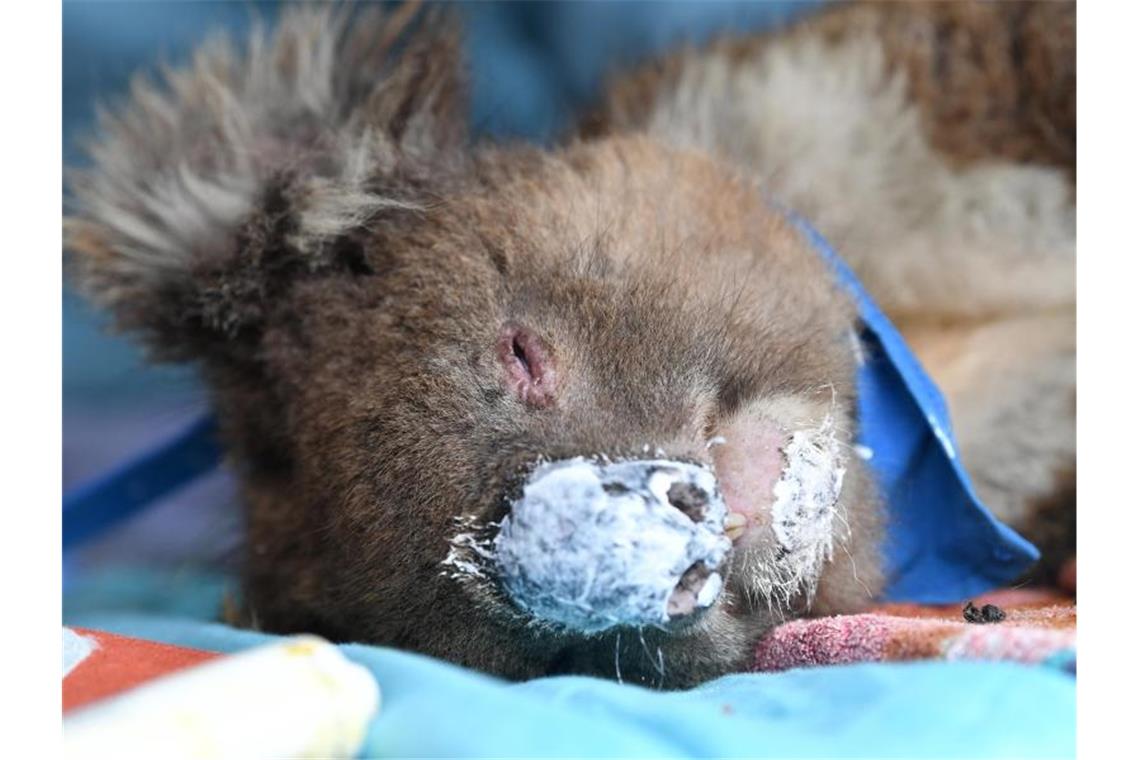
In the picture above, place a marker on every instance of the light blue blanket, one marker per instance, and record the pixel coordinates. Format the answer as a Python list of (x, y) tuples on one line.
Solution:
[(434, 709)]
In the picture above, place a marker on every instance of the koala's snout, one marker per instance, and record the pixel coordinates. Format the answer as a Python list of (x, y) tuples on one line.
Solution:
[(591, 545)]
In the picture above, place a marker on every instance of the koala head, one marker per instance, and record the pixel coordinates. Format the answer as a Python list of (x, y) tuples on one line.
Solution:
[(396, 325)]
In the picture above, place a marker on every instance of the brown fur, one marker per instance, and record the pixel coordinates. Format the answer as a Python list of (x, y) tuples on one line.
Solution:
[(308, 223), (992, 80), (993, 86)]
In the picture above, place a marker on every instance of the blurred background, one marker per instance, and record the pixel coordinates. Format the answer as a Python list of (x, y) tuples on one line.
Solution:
[(532, 66)]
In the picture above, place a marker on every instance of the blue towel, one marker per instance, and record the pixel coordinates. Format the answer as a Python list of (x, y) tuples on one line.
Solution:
[(943, 545), (916, 710)]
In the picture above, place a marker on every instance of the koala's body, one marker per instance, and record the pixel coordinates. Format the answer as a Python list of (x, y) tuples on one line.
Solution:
[(397, 326)]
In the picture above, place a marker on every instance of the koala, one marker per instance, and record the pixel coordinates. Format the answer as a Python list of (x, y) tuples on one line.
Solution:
[(401, 328)]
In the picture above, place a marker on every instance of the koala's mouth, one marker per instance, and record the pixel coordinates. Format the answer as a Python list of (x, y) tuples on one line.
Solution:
[(749, 463), (782, 488)]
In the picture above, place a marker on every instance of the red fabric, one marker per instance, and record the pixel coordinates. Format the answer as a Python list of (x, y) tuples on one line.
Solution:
[(1038, 624), (119, 663)]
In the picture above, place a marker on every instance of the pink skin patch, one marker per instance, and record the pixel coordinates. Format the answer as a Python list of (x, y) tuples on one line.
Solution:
[(748, 465), (528, 365)]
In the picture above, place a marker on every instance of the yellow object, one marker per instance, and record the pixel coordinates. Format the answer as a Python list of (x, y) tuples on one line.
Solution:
[(293, 699)]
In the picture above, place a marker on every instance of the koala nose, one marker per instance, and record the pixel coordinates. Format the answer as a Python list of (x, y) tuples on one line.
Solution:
[(591, 545)]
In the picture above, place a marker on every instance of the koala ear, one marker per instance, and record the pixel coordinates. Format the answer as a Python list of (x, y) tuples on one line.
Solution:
[(212, 189)]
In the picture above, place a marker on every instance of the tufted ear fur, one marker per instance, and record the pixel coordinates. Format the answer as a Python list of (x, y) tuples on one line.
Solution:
[(211, 190)]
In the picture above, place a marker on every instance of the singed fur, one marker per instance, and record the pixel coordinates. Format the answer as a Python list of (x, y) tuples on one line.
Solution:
[(307, 221)]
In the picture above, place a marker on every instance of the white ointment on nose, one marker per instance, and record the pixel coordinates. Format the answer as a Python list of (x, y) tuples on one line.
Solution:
[(594, 545)]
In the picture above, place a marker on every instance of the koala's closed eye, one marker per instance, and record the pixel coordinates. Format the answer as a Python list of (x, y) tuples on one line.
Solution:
[(528, 366)]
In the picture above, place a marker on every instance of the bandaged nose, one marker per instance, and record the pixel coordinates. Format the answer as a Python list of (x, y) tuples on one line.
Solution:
[(592, 545)]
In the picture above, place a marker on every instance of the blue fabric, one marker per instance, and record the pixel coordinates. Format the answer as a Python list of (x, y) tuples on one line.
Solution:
[(434, 709), (918, 710), (98, 506), (943, 545)]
